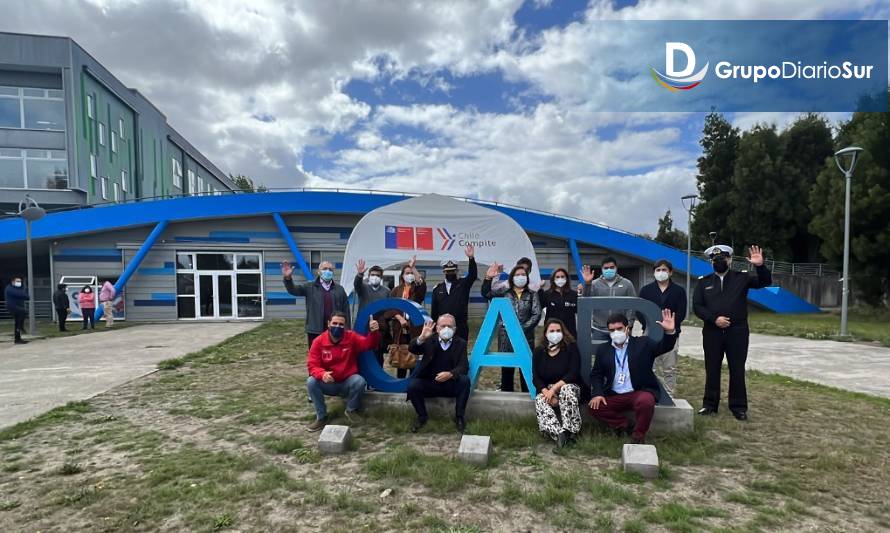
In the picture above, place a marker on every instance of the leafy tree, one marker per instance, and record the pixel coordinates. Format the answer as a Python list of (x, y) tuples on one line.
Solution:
[(669, 235), (246, 184), (870, 205), (719, 142)]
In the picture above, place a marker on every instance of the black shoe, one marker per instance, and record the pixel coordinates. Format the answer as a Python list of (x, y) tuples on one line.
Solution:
[(740, 415), (638, 440), (20, 341), (707, 411), (418, 423), (460, 424), (620, 432), (562, 440)]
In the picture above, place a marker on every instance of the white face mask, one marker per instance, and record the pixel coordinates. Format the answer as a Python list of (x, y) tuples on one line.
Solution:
[(520, 281), (409, 278), (16, 283), (661, 275), (374, 280), (560, 282), (446, 333), (618, 337), (553, 337)]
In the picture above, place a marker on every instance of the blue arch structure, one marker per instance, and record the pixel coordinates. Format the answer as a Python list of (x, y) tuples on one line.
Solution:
[(121, 216)]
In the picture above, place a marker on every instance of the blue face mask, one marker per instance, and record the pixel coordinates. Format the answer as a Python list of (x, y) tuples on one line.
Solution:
[(609, 273), (327, 275), (336, 331)]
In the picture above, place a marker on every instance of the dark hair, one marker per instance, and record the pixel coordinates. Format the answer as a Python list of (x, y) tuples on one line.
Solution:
[(525, 261), (61, 286), (664, 263), (406, 266), (85, 287), (617, 317), (340, 314), (513, 272), (375, 268), (608, 259), (553, 274), (567, 337)]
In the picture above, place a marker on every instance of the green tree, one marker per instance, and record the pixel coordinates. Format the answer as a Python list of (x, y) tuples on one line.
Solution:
[(246, 184), (761, 211), (805, 145), (719, 142), (870, 205), (669, 235)]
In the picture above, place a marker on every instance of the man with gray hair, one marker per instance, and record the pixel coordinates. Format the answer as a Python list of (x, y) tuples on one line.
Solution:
[(442, 370), (323, 297)]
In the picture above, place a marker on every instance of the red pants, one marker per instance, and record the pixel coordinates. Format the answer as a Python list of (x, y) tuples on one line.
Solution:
[(642, 403)]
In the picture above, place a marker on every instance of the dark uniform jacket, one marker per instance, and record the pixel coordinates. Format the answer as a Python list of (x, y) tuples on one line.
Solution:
[(730, 299), (430, 350), (455, 303)]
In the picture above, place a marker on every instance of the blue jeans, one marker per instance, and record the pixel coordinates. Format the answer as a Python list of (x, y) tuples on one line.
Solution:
[(351, 388)]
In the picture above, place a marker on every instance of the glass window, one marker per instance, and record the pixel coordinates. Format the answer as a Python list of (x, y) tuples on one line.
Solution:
[(125, 177), (102, 134), (191, 174), (10, 113), (214, 261), (91, 106), (184, 261), (9, 91), (250, 306), (249, 262), (47, 174), (12, 172), (105, 188), (120, 128), (200, 185), (54, 93), (115, 188), (10, 152), (94, 164), (41, 114), (249, 284), (185, 284), (177, 173), (40, 93), (113, 142), (185, 307)]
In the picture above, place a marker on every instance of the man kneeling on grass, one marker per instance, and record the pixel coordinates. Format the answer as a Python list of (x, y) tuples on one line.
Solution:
[(442, 370), (622, 379), (333, 367)]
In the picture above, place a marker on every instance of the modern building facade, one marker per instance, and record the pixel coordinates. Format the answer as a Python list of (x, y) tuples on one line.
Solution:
[(218, 257), (71, 134)]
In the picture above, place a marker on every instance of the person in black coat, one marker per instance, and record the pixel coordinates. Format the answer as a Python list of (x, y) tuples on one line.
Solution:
[(560, 301), (62, 305), (555, 373), (622, 378), (16, 304), (720, 300), (442, 370), (666, 295), (452, 296)]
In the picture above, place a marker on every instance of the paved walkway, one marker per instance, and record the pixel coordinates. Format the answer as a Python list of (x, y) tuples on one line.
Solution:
[(846, 365), (44, 374)]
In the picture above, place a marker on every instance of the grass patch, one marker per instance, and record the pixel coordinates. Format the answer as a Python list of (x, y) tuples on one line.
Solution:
[(682, 518), (66, 413), (282, 444), (70, 469), (439, 474)]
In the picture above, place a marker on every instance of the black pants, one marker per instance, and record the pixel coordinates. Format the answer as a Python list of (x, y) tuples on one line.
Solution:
[(89, 317), (462, 330), (62, 313), (19, 323), (732, 341), (421, 388)]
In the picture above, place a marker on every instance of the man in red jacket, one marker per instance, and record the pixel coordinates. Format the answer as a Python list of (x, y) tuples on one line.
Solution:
[(333, 367)]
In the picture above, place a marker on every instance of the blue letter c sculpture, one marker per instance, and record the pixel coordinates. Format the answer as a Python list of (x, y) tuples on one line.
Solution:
[(367, 362)]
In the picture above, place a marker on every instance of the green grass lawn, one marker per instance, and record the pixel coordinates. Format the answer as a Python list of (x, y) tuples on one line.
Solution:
[(865, 325), (49, 329), (217, 441)]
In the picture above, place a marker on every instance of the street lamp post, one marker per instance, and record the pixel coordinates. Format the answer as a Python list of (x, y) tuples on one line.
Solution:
[(30, 212), (846, 162), (689, 199)]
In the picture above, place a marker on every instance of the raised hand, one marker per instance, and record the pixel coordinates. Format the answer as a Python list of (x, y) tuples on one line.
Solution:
[(413, 261), (492, 271), (360, 266), (668, 321), (428, 328), (470, 251), (755, 255), (587, 273), (373, 325), (287, 270)]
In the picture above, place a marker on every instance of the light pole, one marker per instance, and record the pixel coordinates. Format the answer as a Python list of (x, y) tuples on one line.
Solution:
[(689, 199), (30, 211), (846, 162)]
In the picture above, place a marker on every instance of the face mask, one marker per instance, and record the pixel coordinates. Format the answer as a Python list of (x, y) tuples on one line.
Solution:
[(87, 291), (720, 265), (409, 278), (336, 331), (451, 277), (553, 337), (16, 283), (446, 334), (618, 337), (661, 275), (374, 280), (327, 274), (520, 281), (609, 273), (560, 282)]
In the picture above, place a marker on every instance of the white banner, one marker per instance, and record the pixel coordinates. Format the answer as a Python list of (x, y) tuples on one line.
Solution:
[(436, 228)]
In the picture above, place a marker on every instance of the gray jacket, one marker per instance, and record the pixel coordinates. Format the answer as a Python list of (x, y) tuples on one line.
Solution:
[(368, 294), (600, 287), (314, 293)]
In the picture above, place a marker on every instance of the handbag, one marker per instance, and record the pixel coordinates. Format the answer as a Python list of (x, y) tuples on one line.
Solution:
[(401, 357)]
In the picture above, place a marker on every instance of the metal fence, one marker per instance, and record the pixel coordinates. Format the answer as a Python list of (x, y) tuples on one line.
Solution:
[(781, 267)]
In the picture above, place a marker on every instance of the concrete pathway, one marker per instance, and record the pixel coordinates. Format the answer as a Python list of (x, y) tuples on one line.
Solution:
[(846, 365), (44, 374)]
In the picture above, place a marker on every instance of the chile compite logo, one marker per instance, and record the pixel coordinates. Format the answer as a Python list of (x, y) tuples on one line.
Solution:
[(678, 80)]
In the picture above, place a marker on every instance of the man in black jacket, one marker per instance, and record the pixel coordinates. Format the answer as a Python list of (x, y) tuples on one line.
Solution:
[(323, 297), (442, 370), (622, 378), (452, 296), (666, 295), (62, 305), (721, 301)]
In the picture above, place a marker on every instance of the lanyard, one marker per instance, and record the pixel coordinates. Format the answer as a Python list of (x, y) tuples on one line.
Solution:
[(621, 364)]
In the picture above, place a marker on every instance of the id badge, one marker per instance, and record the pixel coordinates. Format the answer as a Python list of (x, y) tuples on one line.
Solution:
[(621, 379)]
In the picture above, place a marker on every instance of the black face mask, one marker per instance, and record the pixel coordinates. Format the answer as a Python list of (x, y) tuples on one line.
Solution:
[(451, 277), (720, 265)]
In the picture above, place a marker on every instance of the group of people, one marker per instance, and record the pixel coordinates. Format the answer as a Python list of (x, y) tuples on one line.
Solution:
[(17, 305), (622, 377)]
